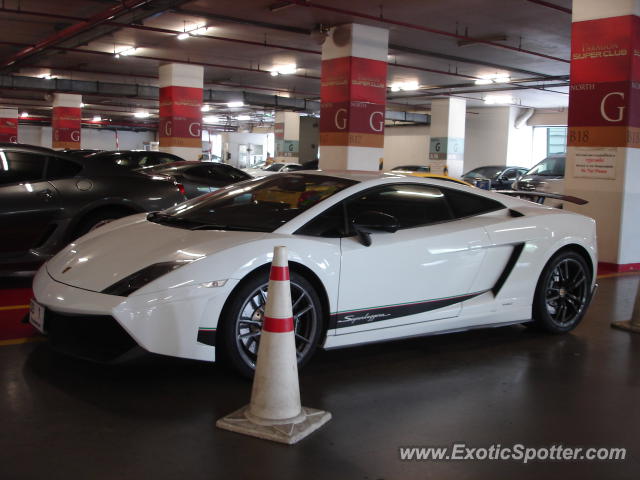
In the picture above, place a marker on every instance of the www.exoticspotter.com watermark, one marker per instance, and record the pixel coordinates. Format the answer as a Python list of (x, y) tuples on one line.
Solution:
[(513, 453)]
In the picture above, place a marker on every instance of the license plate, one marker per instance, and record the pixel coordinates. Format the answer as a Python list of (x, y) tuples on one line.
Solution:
[(36, 315)]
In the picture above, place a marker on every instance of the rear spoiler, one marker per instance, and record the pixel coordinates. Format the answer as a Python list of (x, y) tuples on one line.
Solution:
[(540, 197)]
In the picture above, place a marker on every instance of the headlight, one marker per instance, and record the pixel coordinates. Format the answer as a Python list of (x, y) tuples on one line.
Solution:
[(137, 280)]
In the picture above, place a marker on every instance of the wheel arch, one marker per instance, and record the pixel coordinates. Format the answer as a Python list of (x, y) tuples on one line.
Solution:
[(299, 268), (580, 250), (127, 209)]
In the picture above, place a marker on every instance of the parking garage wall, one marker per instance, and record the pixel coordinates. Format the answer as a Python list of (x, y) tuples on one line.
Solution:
[(406, 146), (91, 138)]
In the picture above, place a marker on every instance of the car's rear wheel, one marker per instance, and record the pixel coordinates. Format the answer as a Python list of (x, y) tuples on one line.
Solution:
[(562, 293), (242, 321)]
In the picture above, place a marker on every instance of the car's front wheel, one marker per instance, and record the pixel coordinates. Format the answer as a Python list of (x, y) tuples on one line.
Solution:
[(562, 293), (242, 321)]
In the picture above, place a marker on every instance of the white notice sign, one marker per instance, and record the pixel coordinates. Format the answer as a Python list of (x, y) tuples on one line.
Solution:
[(595, 163)]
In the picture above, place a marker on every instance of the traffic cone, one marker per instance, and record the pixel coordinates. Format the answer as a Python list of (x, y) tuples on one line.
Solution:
[(632, 325), (275, 412)]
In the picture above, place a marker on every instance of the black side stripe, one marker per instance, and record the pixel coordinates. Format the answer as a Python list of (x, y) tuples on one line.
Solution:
[(207, 336), (513, 259), (378, 314)]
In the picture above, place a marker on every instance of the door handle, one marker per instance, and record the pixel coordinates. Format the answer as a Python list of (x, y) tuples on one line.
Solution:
[(46, 194)]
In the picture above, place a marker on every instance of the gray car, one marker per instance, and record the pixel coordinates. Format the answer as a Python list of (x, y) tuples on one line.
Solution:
[(49, 198)]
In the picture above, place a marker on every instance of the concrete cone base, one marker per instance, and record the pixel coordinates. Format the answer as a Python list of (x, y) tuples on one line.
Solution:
[(627, 326), (288, 433)]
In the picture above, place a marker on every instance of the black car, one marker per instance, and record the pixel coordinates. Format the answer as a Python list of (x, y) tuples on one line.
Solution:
[(199, 177), (135, 158), (49, 198), (500, 177)]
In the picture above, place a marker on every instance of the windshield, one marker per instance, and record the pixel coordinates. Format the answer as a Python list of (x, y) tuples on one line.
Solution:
[(549, 167), (484, 172), (258, 205)]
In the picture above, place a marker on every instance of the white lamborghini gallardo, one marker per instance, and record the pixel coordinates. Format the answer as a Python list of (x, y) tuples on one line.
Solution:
[(373, 257)]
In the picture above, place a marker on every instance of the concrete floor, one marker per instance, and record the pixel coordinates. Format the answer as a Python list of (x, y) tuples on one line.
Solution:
[(66, 419)]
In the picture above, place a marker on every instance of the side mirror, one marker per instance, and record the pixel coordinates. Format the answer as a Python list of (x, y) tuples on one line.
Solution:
[(373, 221)]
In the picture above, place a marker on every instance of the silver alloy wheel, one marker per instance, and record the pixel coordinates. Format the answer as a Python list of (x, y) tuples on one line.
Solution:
[(248, 324), (566, 292)]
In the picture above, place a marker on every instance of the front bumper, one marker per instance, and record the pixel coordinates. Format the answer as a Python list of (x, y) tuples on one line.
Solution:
[(107, 327)]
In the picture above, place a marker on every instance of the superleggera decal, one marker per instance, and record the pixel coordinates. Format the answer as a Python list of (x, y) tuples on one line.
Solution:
[(388, 312)]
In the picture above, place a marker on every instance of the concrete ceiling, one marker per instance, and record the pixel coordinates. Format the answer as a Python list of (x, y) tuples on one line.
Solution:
[(432, 42)]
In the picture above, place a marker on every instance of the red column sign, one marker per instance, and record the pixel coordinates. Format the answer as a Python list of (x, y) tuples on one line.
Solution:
[(353, 93), (604, 95), (9, 130), (66, 127), (180, 117)]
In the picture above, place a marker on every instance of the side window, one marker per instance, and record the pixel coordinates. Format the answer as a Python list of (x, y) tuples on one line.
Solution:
[(510, 174), (59, 168), (466, 204), (18, 167), (163, 158), (124, 160), (201, 171), (413, 205), (329, 223), (225, 172)]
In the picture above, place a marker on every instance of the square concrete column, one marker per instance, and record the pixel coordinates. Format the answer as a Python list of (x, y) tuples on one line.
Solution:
[(603, 156), (353, 92), (446, 147), (9, 125), (66, 121), (180, 126), (287, 136)]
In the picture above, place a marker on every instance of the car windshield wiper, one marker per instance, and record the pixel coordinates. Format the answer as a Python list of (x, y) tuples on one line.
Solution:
[(165, 218), (215, 226)]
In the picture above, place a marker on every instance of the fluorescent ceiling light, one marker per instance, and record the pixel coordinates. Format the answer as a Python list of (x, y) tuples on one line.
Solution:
[(288, 69), (24, 115), (205, 108), (124, 51), (183, 36), (404, 86), (141, 114), (235, 104), (211, 119), (199, 31), (498, 99), (243, 117), (97, 118), (497, 78)]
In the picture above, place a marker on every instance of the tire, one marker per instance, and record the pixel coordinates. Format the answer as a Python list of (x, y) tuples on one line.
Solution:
[(563, 293), (97, 219), (242, 321)]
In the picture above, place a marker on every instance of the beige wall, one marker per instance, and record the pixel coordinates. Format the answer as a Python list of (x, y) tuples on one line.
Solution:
[(406, 146)]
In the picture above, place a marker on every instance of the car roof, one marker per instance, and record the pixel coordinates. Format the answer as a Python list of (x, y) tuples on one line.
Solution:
[(32, 148)]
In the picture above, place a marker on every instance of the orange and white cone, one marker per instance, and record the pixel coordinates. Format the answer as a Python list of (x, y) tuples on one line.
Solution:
[(275, 412)]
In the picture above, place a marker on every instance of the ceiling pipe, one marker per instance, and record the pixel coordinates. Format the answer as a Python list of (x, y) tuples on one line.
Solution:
[(388, 21), (73, 30), (155, 77), (227, 39), (399, 48), (170, 60), (300, 50), (552, 5)]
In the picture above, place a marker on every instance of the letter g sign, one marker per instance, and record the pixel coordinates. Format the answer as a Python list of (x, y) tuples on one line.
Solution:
[(620, 109)]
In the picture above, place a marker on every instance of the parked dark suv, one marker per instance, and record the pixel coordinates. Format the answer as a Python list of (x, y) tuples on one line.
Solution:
[(49, 198)]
